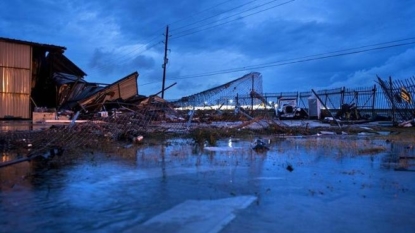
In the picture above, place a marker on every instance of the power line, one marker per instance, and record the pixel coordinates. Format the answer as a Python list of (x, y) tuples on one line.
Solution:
[(334, 52), (212, 16), (199, 12), (147, 46), (126, 57), (338, 53), (242, 17), (281, 63)]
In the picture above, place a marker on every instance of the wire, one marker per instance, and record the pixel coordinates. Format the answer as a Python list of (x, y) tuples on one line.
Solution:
[(126, 57), (293, 62), (215, 15), (144, 47), (338, 53), (207, 28), (199, 12), (334, 52)]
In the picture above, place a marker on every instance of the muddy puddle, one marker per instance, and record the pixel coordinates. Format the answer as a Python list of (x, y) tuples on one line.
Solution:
[(298, 185)]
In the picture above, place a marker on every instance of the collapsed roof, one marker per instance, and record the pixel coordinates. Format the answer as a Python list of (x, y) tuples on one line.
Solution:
[(75, 93)]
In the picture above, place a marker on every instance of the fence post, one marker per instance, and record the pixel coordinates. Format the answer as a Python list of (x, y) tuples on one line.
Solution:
[(325, 106), (342, 97), (392, 99), (356, 97), (373, 100)]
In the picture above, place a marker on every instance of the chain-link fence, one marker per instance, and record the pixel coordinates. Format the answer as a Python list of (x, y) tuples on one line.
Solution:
[(232, 108)]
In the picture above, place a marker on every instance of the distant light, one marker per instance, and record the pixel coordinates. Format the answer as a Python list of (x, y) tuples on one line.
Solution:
[(231, 101)]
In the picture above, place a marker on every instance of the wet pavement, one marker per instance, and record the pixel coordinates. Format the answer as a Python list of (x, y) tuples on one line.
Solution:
[(182, 187)]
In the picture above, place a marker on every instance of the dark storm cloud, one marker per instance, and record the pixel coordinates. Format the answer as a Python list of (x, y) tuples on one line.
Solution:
[(347, 27), (143, 62), (107, 62), (143, 19), (26, 20), (102, 61), (113, 38)]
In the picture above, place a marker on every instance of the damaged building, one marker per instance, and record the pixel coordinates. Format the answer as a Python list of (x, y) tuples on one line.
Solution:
[(26, 76), (37, 76), (76, 94)]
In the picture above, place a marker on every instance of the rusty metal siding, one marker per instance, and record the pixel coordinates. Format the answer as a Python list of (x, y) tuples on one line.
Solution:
[(14, 105), (15, 55), (15, 80)]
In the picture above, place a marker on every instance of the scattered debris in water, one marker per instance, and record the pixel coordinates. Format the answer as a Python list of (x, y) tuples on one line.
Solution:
[(138, 139), (259, 145)]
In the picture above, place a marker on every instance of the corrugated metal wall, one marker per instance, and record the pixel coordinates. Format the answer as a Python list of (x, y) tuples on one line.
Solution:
[(15, 80)]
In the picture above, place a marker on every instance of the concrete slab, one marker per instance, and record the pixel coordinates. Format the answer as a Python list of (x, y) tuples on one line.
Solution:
[(208, 216)]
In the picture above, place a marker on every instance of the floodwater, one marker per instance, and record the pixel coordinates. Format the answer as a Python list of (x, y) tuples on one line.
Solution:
[(177, 186)]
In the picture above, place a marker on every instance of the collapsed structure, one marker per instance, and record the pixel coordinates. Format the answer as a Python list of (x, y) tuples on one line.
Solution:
[(38, 77), (26, 77), (38, 82)]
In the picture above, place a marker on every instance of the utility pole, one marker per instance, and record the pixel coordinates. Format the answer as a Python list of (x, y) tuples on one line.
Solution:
[(166, 60)]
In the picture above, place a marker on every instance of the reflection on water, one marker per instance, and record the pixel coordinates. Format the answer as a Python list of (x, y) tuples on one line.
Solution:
[(328, 190)]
